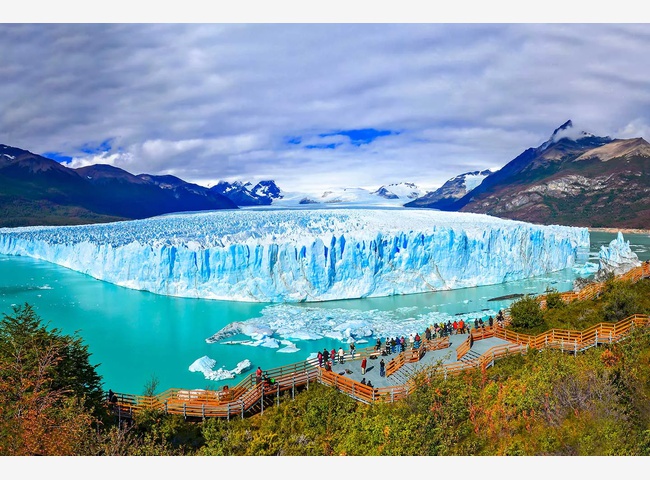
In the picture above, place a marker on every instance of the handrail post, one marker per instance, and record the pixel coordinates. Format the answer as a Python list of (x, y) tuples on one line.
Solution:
[(228, 411), (293, 386), (392, 395), (203, 411), (575, 348), (166, 410), (242, 407), (596, 341), (262, 400), (185, 410), (277, 396)]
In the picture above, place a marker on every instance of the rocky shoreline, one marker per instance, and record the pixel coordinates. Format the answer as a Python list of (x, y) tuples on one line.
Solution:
[(622, 230)]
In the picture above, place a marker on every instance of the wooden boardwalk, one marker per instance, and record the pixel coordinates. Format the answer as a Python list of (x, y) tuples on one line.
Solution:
[(249, 398)]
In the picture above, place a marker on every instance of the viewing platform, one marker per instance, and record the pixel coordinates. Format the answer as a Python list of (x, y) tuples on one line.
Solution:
[(447, 355)]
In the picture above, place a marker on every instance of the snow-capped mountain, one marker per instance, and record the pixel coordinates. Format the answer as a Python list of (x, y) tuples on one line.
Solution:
[(405, 191), (395, 194), (453, 189), (247, 194)]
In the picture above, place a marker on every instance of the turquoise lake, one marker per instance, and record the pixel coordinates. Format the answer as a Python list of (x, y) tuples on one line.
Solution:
[(135, 336)]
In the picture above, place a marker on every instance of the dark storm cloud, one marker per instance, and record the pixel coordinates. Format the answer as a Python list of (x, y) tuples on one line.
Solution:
[(210, 102)]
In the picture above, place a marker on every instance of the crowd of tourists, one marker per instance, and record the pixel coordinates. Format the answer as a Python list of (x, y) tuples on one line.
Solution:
[(393, 345)]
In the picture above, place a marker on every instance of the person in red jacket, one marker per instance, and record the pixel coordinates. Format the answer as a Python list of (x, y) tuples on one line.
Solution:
[(363, 366), (333, 356)]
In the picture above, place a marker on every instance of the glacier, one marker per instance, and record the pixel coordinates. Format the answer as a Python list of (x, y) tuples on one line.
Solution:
[(287, 255), (617, 258)]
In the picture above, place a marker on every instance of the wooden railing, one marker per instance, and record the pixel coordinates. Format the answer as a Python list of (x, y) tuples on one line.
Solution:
[(247, 395), (482, 361), (415, 355), (395, 364), (575, 340), (593, 289), (464, 347)]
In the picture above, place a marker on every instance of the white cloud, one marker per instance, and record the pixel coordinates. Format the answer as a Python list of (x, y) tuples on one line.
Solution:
[(220, 101)]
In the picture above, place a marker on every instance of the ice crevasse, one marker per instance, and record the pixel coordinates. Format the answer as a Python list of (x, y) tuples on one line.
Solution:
[(303, 255)]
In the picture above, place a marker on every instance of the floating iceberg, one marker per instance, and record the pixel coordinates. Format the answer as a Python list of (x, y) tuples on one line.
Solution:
[(303, 255), (617, 258), (206, 364)]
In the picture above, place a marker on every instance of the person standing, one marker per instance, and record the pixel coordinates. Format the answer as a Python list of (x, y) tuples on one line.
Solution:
[(326, 355), (333, 356), (341, 353), (352, 348), (382, 368), (258, 375), (363, 366), (320, 359)]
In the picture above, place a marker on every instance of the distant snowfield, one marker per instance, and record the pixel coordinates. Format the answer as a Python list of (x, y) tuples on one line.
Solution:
[(394, 195), (297, 255)]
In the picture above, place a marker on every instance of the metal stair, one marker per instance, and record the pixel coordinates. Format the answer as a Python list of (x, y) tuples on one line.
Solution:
[(471, 358), (401, 376)]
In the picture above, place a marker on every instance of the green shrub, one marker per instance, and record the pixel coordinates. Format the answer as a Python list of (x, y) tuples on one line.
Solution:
[(554, 299), (620, 301), (526, 313)]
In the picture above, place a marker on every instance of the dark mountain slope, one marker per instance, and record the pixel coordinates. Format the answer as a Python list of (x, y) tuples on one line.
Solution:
[(450, 192), (35, 190), (586, 192), (571, 179)]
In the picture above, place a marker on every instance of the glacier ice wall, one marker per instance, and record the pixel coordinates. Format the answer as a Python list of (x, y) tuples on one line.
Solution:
[(303, 255)]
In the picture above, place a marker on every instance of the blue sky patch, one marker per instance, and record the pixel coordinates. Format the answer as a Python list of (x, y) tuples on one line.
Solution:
[(93, 148), (361, 136), (57, 157), (328, 145), (357, 137)]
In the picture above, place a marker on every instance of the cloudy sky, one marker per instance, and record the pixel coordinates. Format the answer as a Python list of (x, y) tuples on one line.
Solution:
[(315, 106)]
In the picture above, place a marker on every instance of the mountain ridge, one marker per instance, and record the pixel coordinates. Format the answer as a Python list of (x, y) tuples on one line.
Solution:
[(571, 179), (36, 190)]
